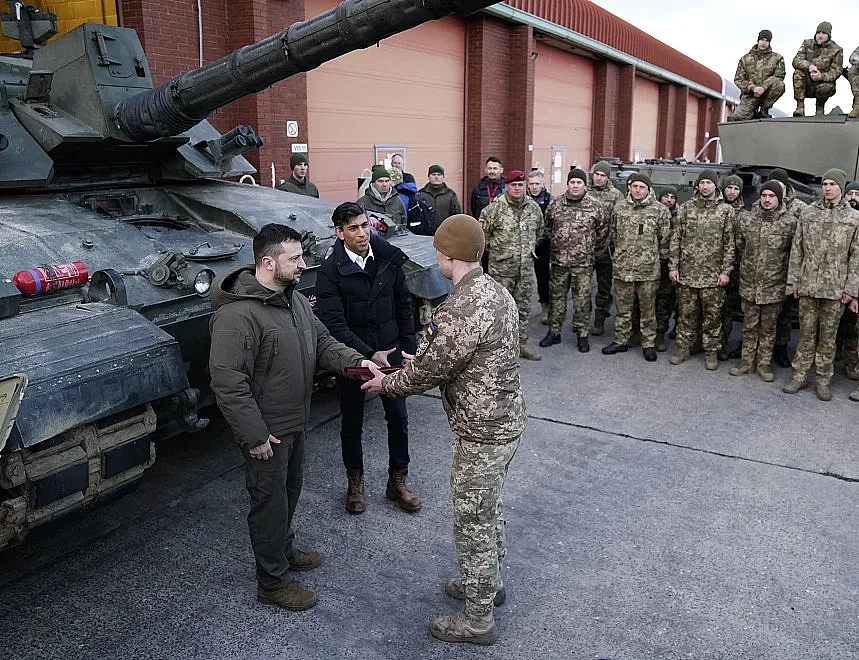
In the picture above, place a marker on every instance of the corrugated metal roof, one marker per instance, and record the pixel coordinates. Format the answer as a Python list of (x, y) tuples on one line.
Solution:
[(601, 25)]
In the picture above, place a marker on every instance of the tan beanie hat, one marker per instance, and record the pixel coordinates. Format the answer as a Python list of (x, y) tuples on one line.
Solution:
[(460, 237)]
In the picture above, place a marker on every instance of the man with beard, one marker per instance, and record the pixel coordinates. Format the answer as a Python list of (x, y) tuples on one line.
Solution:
[(763, 239), (266, 344), (537, 192), (760, 77)]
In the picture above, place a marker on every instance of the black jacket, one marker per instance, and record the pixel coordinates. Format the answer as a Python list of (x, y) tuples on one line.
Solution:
[(484, 193), (364, 311)]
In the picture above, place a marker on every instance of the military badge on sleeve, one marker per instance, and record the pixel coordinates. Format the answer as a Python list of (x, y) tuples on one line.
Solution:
[(427, 338)]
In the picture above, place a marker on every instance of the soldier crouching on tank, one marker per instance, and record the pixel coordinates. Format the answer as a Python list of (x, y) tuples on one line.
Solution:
[(471, 353), (817, 66), (763, 240), (824, 276), (700, 262), (760, 77), (641, 228), (853, 77), (577, 227)]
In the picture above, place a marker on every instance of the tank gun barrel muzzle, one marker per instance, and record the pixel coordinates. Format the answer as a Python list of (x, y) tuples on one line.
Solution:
[(187, 99)]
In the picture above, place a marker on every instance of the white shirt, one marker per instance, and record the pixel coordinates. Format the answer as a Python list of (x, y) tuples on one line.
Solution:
[(357, 258)]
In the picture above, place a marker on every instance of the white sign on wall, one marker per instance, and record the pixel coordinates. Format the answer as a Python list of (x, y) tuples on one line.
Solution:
[(299, 148), (292, 129)]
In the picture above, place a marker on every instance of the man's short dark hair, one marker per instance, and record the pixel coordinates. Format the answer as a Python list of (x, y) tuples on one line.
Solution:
[(493, 159), (267, 243), (345, 212)]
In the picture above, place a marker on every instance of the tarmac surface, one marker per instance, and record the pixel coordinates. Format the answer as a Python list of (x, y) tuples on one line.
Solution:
[(653, 512)]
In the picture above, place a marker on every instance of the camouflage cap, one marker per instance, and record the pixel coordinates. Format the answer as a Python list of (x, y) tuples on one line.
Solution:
[(603, 167), (836, 175), (396, 175), (460, 237)]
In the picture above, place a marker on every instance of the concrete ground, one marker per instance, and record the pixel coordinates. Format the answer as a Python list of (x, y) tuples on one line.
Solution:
[(653, 512)]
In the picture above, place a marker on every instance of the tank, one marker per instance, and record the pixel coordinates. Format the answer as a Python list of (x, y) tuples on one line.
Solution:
[(101, 170)]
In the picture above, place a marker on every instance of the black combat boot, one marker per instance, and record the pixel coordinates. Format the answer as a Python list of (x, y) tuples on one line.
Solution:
[(583, 344), (649, 354), (614, 347), (550, 339), (598, 326), (780, 356)]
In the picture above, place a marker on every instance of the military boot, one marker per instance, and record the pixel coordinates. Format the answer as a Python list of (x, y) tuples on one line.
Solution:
[(583, 344), (820, 107), (550, 339), (711, 362), (854, 395), (851, 371), (800, 108), (680, 356), (661, 346), (304, 561), (528, 353), (355, 491), (462, 627), (821, 388), (742, 369), (453, 588), (795, 385), (780, 356), (635, 338), (399, 492), (544, 313), (598, 326), (291, 597), (855, 111), (765, 373)]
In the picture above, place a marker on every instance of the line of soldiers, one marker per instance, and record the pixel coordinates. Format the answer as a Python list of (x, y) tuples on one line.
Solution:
[(817, 65), (710, 255)]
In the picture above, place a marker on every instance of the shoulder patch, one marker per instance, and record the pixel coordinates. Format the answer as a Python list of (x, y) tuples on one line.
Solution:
[(426, 339)]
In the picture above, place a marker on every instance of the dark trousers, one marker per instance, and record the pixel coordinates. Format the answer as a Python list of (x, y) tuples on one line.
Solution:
[(541, 270), (352, 411), (274, 486)]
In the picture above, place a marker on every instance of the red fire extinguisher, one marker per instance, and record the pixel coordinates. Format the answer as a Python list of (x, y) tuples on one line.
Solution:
[(44, 279)]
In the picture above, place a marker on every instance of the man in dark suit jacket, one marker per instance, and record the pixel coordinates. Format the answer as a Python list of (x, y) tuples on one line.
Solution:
[(363, 300)]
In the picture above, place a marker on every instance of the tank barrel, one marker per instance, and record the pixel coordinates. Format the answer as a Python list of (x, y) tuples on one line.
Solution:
[(187, 99)]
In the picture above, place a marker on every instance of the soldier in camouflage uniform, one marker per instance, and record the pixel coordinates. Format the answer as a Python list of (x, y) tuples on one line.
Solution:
[(848, 330), (784, 325), (470, 353), (666, 296), (732, 192), (603, 190), (853, 77), (763, 239), (512, 224), (760, 77), (641, 227), (577, 228), (817, 66), (824, 275), (700, 260)]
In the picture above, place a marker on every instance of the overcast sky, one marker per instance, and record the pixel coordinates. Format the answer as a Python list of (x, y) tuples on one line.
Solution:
[(717, 34)]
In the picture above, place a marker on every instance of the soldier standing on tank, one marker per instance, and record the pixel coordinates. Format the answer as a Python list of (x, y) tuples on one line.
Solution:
[(537, 191), (603, 189), (577, 227), (666, 296), (732, 192), (853, 77), (470, 353), (641, 228), (512, 224), (763, 240), (817, 66), (760, 77), (700, 262), (297, 182), (824, 276)]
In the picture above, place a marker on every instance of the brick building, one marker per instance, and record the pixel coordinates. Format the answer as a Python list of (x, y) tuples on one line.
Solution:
[(536, 82)]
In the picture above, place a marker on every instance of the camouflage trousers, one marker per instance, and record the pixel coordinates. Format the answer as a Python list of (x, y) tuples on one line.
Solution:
[(759, 328), (710, 300), (626, 295), (731, 306), (848, 339), (562, 279), (603, 270), (818, 324), (805, 88), (477, 477), (853, 77), (666, 300), (749, 102), (784, 324), (521, 287)]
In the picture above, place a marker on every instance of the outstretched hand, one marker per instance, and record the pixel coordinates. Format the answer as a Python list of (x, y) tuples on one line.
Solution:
[(374, 385), (381, 357)]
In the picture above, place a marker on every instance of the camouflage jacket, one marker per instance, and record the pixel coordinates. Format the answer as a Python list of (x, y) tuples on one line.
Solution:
[(577, 229), (759, 68), (642, 231), (511, 228), (824, 256), (702, 243), (793, 205), (763, 245), (609, 196), (471, 352), (828, 59), (854, 58)]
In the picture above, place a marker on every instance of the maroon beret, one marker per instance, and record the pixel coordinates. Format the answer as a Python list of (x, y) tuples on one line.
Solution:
[(514, 175)]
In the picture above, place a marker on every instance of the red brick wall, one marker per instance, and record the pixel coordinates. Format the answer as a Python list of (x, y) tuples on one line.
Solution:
[(671, 129), (168, 32), (614, 86)]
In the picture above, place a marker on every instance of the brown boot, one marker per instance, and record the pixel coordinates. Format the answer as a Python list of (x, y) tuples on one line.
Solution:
[(355, 491), (453, 588), (462, 627), (291, 597), (765, 373), (528, 353), (742, 369), (855, 111), (800, 108), (820, 108), (795, 385), (822, 390), (304, 561), (399, 492), (711, 361)]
